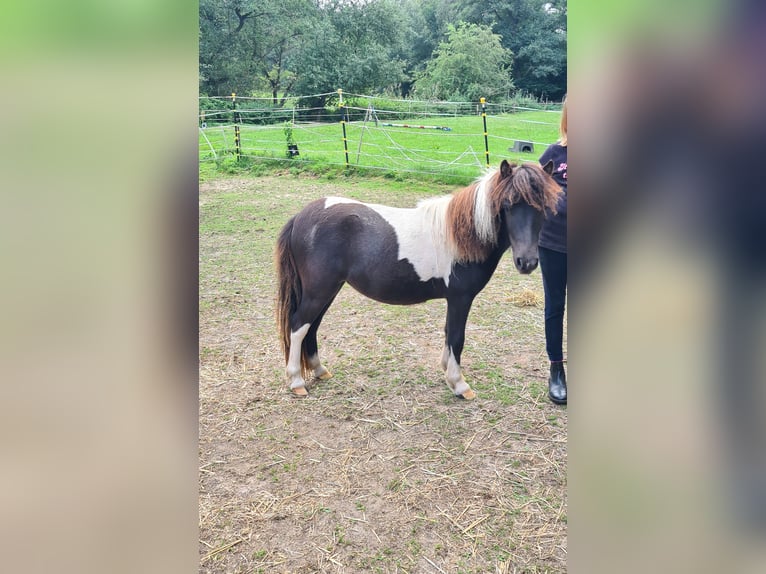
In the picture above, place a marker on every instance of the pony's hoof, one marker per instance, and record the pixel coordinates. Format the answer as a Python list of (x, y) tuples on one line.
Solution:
[(469, 395), (300, 392), (324, 376)]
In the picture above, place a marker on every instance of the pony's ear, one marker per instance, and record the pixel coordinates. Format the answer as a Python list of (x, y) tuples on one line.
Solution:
[(506, 169), (548, 167)]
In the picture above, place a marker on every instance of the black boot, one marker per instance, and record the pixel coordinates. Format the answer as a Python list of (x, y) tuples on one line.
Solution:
[(557, 384)]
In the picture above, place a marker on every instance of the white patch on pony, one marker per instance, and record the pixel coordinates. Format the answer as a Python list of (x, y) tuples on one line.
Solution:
[(330, 201), (420, 232), (293, 369), (422, 237), (483, 219)]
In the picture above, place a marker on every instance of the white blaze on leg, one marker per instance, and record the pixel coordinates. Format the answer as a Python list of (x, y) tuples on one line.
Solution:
[(293, 369), (320, 371), (455, 378), (445, 357)]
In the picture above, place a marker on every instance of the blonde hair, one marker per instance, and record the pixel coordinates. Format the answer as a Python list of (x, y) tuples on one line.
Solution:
[(563, 124)]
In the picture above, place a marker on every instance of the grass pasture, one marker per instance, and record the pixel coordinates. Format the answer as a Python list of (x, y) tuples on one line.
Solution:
[(458, 152), (381, 469)]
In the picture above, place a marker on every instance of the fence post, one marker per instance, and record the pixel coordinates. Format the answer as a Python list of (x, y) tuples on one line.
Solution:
[(237, 143), (484, 119), (343, 119)]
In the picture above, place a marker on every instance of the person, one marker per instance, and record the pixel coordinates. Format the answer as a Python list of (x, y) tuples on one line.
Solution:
[(553, 265)]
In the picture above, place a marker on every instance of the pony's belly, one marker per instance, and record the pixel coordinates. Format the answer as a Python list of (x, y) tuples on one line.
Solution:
[(398, 288)]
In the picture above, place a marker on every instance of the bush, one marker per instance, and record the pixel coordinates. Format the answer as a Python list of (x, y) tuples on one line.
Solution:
[(216, 106)]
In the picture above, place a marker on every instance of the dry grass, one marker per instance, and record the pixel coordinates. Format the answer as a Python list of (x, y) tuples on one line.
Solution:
[(526, 298), (381, 469)]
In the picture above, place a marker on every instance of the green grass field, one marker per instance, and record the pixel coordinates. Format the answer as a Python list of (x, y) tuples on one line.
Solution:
[(457, 152)]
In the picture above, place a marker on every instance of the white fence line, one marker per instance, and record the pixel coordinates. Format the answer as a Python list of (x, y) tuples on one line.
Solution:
[(370, 143)]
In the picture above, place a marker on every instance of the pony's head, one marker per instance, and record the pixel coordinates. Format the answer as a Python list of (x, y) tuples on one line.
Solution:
[(526, 191), (511, 200)]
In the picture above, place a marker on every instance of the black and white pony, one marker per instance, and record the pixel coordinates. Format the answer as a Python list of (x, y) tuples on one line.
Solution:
[(446, 247)]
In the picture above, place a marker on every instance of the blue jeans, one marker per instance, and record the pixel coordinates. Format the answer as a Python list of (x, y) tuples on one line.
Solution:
[(553, 265)]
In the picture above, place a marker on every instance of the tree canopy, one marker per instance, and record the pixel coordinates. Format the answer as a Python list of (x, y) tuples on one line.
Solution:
[(447, 48), (356, 46), (470, 64)]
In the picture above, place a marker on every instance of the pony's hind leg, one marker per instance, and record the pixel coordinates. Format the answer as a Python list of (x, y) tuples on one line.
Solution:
[(304, 354), (293, 369), (311, 346)]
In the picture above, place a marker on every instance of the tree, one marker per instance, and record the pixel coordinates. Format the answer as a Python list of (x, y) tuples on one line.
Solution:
[(304, 47), (356, 46), (279, 48), (536, 32), (249, 44), (471, 64), (427, 22)]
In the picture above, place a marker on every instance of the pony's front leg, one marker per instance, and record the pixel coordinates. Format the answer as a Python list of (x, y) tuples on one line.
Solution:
[(293, 369), (457, 316)]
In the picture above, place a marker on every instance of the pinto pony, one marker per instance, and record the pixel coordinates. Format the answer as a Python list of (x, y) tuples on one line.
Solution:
[(446, 247)]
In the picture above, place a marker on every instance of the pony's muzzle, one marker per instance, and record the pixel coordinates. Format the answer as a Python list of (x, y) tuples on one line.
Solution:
[(526, 265)]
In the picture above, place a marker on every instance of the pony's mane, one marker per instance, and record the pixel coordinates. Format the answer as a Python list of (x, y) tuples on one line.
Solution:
[(471, 218)]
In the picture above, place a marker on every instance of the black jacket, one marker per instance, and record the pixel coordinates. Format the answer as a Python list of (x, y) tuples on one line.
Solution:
[(553, 235)]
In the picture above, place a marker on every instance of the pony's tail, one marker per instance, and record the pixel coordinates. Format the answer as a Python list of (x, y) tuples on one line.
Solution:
[(289, 291)]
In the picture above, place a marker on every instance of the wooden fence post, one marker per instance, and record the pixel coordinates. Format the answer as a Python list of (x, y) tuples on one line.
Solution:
[(343, 120), (484, 119), (237, 119)]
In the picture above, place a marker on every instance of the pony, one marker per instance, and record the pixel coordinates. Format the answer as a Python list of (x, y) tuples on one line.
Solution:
[(445, 247)]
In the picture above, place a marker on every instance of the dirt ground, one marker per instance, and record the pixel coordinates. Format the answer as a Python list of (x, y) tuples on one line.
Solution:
[(381, 469)]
